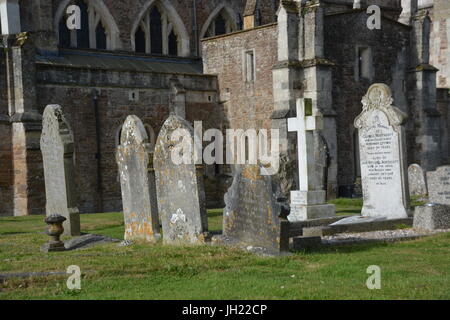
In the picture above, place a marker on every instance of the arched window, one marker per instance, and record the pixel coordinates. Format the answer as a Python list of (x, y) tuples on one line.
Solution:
[(98, 29), (221, 24), (156, 33)]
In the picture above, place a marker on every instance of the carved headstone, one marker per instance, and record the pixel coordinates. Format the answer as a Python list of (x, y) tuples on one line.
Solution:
[(439, 185), (179, 184), (134, 160), (417, 181), (383, 155), (253, 216), (57, 146)]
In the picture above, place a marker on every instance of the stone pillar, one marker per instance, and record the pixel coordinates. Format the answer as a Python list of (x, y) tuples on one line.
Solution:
[(29, 192), (42, 25), (409, 9), (178, 97), (286, 87), (427, 117), (250, 14), (317, 74), (10, 16)]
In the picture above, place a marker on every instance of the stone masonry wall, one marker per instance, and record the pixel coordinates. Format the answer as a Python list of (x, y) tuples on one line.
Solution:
[(244, 105), (74, 90)]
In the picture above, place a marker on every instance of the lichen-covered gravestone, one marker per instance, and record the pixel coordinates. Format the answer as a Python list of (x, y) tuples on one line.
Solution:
[(417, 182), (383, 155), (134, 161), (253, 216), (179, 184), (57, 146), (439, 185)]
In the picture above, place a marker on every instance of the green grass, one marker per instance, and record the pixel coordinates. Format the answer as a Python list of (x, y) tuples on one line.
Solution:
[(410, 270)]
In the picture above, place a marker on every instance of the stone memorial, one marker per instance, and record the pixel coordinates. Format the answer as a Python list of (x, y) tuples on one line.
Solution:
[(417, 181), (253, 216), (439, 185), (383, 155), (432, 217), (179, 185), (134, 160), (57, 146), (310, 201)]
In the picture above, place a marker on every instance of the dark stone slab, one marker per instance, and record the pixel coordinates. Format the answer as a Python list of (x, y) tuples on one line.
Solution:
[(252, 216)]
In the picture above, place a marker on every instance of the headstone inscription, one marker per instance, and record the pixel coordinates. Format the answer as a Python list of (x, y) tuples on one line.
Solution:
[(383, 155)]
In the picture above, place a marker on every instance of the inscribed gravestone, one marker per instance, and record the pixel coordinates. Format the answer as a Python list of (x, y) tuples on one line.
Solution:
[(133, 159), (439, 185), (57, 146), (417, 182), (252, 215), (179, 185), (383, 155)]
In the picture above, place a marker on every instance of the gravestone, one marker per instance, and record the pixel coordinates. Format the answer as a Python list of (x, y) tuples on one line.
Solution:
[(134, 160), (310, 201), (57, 146), (383, 155), (439, 185), (252, 216), (417, 181), (180, 188)]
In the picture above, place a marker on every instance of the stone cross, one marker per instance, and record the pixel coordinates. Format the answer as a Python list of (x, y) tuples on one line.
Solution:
[(305, 124), (309, 201), (57, 146)]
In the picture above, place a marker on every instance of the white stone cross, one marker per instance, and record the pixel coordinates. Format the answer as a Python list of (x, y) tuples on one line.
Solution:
[(305, 124)]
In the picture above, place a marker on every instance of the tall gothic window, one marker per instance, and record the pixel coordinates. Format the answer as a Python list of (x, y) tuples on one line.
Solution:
[(222, 24), (92, 33), (156, 34)]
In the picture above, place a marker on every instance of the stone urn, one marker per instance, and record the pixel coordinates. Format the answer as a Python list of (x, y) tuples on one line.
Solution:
[(55, 230)]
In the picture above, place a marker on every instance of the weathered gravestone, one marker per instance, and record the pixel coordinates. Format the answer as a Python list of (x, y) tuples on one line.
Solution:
[(179, 184), (253, 216), (439, 185), (417, 181), (134, 160), (383, 155), (57, 146), (309, 202)]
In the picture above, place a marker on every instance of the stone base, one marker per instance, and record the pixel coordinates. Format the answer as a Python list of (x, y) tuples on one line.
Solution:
[(301, 243), (53, 247), (432, 217), (303, 213), (72, 226)]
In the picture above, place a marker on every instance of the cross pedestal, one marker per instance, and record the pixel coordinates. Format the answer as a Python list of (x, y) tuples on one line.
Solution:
[(310, 201)]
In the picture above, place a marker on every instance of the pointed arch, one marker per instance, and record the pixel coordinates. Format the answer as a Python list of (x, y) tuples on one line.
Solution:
[(173, 28), (98, 14), (227, 12)]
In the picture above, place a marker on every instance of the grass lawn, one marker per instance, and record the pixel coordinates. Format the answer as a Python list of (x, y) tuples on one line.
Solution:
[(417, 269)]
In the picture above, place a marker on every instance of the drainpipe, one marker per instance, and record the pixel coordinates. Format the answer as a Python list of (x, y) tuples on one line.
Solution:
[(95, 96), (195, 27)]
